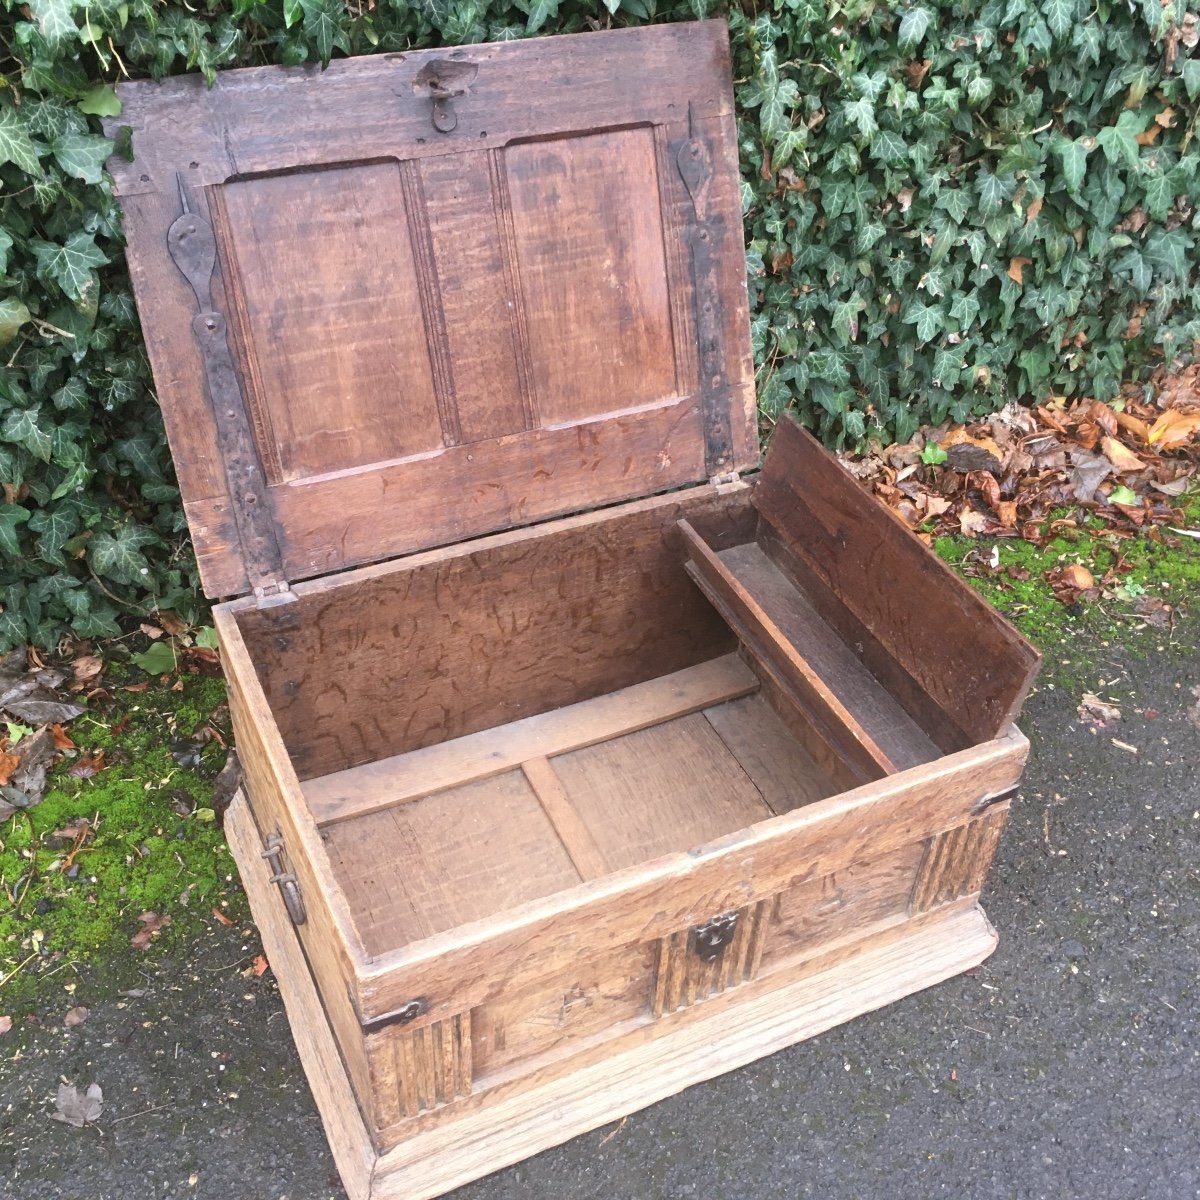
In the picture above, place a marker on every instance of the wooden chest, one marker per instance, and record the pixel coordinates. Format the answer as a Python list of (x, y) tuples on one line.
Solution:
[(583, 761)]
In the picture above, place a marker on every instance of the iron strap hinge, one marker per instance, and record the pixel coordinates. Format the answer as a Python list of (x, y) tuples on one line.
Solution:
[(694, 162), (193, 249)]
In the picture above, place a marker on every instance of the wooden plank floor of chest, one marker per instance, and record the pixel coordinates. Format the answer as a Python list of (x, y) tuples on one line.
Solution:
[(584, 761)]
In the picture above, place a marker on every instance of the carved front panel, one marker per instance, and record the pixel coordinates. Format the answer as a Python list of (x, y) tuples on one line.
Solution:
[(956, 862), (415, 1071), (691, 968)]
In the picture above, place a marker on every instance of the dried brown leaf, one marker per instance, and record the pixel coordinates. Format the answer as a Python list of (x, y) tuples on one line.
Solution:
[(75, 1017), (151, 924), (87, 667), (1174, 429), (1121, 458), (5, 1024), (1016, 266), (77, 1108)]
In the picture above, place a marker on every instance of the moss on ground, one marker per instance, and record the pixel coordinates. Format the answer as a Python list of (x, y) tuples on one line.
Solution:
[(1167, 569), (156, 846)]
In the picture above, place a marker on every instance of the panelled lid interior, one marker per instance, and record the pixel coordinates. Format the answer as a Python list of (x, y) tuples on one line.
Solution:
[(420, 297)]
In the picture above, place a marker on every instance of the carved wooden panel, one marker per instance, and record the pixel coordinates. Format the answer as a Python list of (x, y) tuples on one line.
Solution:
[(817, 912), (440, 333), (956, 862), (555, 1017), (683, 976), (418, 1070)]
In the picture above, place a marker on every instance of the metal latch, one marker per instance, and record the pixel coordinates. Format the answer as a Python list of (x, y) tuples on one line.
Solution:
[(443, 80), (288, 885), (708, 941)]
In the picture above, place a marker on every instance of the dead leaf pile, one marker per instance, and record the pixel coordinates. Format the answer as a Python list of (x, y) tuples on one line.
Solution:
[(35, 701), (1125, 462)]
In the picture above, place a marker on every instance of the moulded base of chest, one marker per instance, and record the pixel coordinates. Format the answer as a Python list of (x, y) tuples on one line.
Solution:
[(583, 813), (853, 975)]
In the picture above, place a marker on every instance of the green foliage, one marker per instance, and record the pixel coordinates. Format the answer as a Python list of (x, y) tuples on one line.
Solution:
[(947, 204)]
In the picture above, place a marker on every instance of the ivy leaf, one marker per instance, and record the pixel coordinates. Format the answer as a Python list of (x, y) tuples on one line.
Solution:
[(6, 244), (11, 515), (927, 318), (913, 27), (787, 144), (774, 115), (293, 11), (1073, 155), (1059, 16), (82, 155), (13, 314), (964, 308), (56, 20), (72, 265), (888, 147), (1160, 195), (956, 202), (1120, 140), (15, 144), (322, 24), (119, 557), (942, 241), (1191, 77), (21, 426), (861, 113), (540, 11), (1171, 250), (993, 192), (101, 101), (54, 526)]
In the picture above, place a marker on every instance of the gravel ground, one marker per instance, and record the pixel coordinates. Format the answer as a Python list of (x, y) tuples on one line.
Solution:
[(1068, 1066)]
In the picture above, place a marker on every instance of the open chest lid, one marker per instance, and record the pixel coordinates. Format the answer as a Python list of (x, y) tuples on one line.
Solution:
[(419, 297)]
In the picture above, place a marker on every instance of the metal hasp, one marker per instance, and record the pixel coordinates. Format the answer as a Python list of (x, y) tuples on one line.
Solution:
[(293, 901), (405, 1014), (708, 941), (444, 80), (694, 162), (193, 248)]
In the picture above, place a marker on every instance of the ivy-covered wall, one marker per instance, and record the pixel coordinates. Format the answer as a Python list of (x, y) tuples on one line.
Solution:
[(947, 204)]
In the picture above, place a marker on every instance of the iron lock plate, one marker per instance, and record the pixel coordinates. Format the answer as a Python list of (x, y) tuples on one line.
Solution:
[(708, 941)]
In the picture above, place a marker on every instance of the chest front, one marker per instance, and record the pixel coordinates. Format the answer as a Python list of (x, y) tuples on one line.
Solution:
[(584, 760)]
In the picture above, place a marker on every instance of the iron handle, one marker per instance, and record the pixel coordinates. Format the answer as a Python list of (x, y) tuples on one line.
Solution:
[(288, 884)]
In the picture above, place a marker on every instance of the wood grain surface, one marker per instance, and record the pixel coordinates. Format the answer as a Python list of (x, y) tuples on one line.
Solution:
[(924, 626), (442, 334), (489, 632)]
